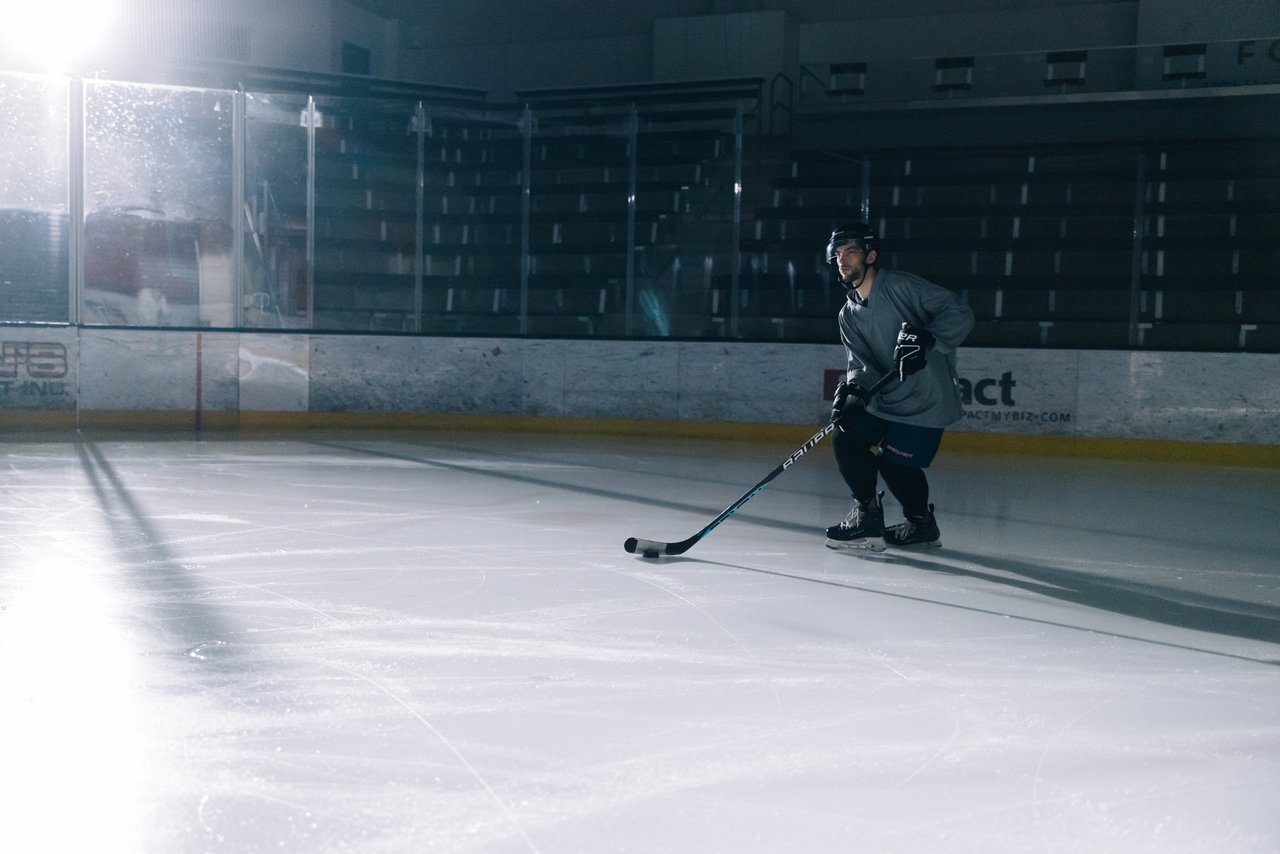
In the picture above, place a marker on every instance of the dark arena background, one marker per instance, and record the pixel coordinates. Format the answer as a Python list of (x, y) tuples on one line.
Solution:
[(344, 344)]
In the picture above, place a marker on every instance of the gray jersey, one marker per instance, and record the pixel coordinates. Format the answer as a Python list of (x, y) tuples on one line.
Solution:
[(930, 397)]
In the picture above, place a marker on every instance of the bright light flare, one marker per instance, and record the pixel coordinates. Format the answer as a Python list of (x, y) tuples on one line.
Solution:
[(73, 748), (53, 35)]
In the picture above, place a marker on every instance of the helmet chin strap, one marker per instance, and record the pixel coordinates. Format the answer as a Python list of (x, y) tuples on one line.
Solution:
[(851, 288)]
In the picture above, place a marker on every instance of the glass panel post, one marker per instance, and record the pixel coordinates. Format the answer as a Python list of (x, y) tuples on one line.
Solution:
[(735, 263), (633, 153), (528, 124), (239, 210), (75, 202), (309, 120), (1135, 269), (420, 128)]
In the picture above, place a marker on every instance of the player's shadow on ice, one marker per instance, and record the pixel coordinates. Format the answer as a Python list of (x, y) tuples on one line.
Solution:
[(164, 585), (1153, 603)]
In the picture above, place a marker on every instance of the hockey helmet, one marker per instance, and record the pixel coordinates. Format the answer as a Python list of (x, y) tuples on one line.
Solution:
[(854, 232)]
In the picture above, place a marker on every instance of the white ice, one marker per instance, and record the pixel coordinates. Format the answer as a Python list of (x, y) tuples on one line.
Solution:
[(435, 642)]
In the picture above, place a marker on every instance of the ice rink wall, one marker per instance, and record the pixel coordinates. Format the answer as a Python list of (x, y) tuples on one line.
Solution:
[(64, 378)]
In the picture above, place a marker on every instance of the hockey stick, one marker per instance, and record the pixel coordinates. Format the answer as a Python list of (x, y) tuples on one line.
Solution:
[(653, 548)]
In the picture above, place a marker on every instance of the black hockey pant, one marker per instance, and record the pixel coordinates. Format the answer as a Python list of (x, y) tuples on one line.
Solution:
[(860, 465)]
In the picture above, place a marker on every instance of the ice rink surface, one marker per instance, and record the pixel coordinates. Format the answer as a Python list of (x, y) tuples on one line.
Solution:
[(429, 642)]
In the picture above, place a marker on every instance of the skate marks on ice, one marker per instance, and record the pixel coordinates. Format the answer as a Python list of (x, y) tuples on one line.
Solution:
[(380, 671), (1043, 717), (1090, 587)]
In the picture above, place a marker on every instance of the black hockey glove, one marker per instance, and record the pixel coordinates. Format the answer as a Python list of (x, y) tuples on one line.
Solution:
[(850, 399), (909, 354)]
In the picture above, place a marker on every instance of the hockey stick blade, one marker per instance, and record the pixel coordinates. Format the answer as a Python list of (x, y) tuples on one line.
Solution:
[(655, 548), (652, 548)]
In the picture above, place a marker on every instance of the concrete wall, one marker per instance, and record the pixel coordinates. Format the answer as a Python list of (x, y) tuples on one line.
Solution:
[(1060, 26), (530, 44), (379, 36), (523, 44), (64, 375), (708, 47), (1180, 21)]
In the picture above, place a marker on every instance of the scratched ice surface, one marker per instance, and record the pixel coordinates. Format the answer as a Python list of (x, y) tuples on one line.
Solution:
[(435, 642)]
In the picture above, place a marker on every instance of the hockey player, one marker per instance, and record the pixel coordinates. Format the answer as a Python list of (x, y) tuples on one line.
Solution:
[(891, 321)]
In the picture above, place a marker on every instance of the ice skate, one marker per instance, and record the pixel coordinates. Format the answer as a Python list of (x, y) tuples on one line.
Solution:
[(917, 533), (862, 529)]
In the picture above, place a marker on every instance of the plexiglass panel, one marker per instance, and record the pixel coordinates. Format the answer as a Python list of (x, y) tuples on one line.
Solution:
[(158, 206), (34, 188), (268, 210), (277, 280), (365, 219), (686, 278)]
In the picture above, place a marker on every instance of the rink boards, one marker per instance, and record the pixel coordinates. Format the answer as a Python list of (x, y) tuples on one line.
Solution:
[(57, 376)]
